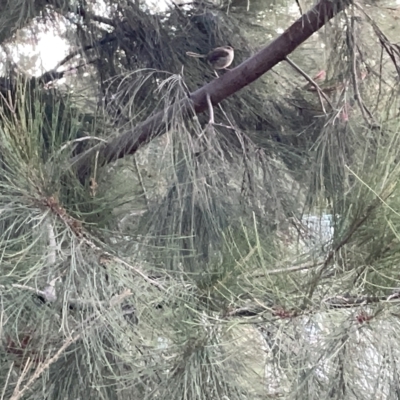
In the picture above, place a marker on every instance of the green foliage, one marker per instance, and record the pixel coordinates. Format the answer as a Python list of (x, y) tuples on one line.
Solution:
[(201, 267)]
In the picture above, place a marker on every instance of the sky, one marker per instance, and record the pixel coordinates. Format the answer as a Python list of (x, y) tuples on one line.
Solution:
[(52, 49)]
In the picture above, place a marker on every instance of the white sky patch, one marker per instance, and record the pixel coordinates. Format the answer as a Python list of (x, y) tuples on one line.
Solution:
[(159, 5), (52, 49), (41, 53)]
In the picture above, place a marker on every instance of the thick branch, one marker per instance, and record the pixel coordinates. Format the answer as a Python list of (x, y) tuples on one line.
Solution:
[(219, 89)]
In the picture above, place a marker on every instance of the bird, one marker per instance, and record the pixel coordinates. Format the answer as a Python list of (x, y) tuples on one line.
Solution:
[(219, 58)]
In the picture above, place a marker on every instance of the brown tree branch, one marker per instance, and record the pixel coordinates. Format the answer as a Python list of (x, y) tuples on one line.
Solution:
[(219, 89)]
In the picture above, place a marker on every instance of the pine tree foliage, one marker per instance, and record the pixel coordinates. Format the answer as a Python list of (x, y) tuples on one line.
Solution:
[(251, 257)]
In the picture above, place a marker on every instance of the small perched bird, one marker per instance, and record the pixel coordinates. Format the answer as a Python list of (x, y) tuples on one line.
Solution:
[(219, 58)]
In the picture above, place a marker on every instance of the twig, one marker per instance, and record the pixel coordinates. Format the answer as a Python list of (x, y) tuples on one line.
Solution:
[(52, 204), (48, 293), (51, 257), (141, 182), (70, 56), (54, 74), (210, 109), (310, 80), (255, 310), (17, 394), (295, 268), (353, 301), (358, 98), (6, 382), (92, 245)]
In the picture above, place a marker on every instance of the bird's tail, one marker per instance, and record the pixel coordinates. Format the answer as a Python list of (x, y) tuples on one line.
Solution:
[(197, 55)]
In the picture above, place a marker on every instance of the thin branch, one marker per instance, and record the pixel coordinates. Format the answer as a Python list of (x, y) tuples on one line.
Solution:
[(107, 39), (141, 182), (42, 367), (335, 302), (6, 381), (52, 204), (102, 20), (210, 110), (287, 270), (312, 82), (54, 74), (363, 108), (355, 301)]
